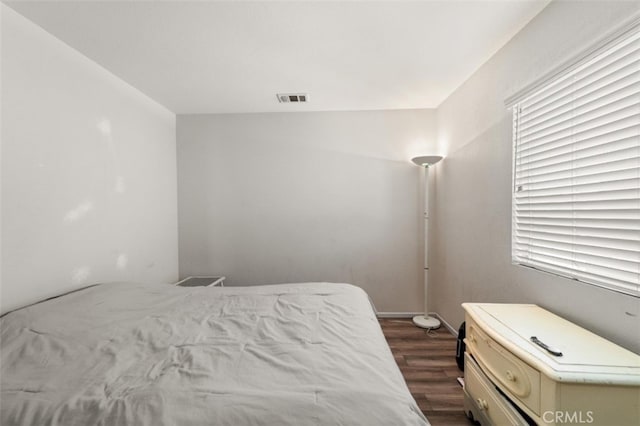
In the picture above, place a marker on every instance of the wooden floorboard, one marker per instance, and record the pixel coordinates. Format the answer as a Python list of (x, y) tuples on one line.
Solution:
[(427, 362)]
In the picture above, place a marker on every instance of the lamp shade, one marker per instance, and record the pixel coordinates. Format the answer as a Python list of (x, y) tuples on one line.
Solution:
[(426, 160)]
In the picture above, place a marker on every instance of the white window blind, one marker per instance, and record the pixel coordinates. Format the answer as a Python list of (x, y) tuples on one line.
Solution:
[(576, 182)]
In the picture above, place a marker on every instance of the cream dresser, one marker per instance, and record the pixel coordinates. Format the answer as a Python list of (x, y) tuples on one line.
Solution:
[(592, 382)]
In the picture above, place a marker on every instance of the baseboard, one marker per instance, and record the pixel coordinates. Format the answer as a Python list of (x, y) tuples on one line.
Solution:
[(397, 314), (446, 325)]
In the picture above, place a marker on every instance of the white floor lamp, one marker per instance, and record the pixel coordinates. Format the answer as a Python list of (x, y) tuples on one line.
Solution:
[(425, 321)]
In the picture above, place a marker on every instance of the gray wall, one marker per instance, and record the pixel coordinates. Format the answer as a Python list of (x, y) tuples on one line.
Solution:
[(88, 173), (471, 211), (293, 197)]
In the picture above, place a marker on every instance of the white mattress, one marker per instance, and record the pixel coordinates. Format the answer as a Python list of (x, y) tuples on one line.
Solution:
[(131, 354)]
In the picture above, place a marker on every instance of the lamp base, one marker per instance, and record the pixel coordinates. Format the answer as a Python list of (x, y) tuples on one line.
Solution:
[(423, 321)]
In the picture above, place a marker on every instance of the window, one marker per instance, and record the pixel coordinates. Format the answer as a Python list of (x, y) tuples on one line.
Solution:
[(576, 178)]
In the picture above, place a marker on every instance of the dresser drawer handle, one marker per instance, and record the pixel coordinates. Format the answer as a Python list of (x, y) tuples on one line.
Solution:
[(510, 376), (482, 404)]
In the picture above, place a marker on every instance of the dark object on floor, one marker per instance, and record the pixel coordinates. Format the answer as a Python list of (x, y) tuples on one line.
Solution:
[(460, 347)]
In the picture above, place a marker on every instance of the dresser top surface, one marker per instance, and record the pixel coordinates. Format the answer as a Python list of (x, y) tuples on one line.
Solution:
[(583, 352)]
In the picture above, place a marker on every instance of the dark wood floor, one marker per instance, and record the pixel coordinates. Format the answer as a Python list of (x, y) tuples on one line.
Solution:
[(427, 362)]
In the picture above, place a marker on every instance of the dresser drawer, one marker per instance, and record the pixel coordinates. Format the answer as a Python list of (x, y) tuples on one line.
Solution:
[(516, 378), (486, 398)]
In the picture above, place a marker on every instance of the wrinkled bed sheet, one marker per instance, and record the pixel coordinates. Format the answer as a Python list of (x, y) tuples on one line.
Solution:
[(133, 354)]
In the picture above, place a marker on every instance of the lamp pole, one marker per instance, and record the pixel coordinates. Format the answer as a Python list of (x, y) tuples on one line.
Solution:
[(425, 321)]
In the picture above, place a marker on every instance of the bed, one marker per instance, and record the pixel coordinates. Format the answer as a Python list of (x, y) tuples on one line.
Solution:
[(133, 354)]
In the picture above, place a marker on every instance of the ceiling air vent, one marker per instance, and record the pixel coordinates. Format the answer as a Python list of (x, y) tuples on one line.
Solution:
[(284, 98)]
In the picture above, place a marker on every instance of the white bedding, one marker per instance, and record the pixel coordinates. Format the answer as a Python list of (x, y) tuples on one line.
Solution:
[(131, 354)]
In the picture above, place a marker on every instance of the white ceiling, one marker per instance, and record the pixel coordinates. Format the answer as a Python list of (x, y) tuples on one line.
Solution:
[(234, 56)]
